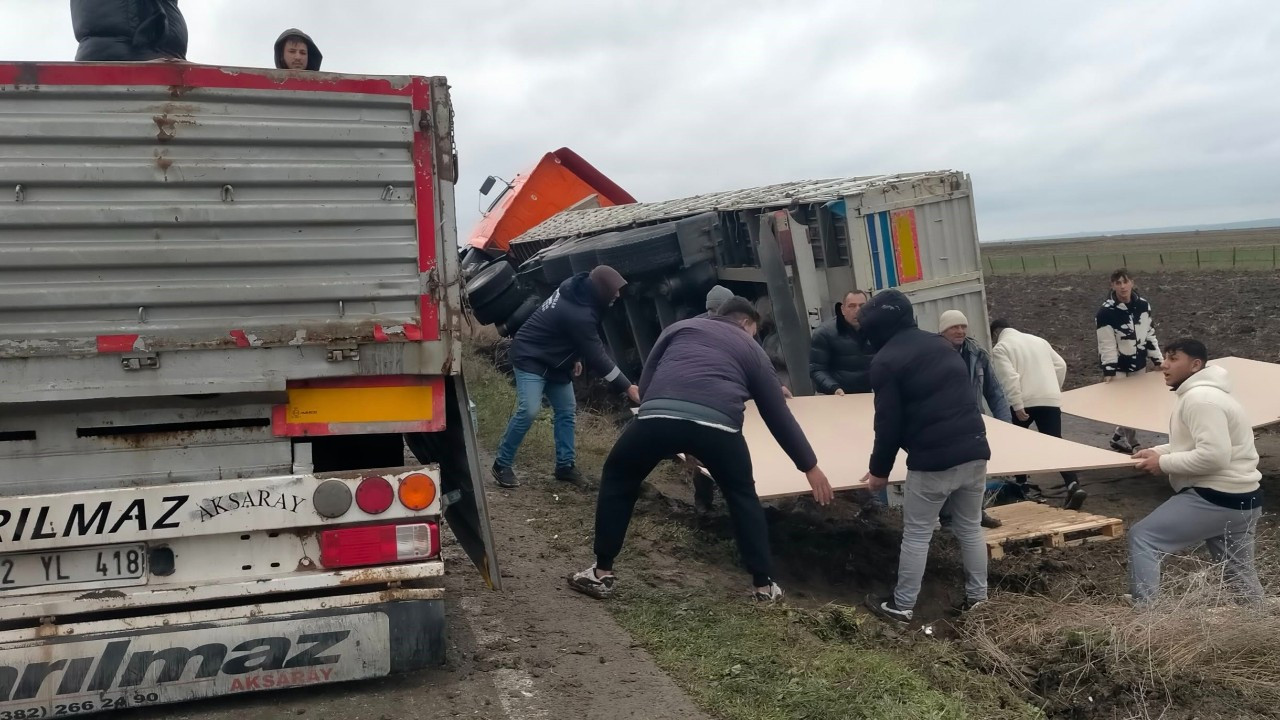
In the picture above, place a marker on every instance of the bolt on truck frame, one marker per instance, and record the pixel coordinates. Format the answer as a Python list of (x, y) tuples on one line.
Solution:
[(228, 297)]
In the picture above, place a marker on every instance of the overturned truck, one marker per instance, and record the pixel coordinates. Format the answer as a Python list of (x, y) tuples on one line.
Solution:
[(794, 248)]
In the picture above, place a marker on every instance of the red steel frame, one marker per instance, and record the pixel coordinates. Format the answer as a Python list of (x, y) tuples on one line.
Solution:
[(180, 77)]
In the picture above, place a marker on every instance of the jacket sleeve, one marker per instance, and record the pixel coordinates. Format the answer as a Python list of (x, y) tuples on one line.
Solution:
[(993, 394), (1007, 375), (1059, 367), (1153, 345), (820, 361), (582, 331), (1108, 352), (763, 385), (888, 421), (1211, 453)]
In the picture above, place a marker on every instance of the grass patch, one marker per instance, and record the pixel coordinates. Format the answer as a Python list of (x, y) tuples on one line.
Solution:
[(753, 663)]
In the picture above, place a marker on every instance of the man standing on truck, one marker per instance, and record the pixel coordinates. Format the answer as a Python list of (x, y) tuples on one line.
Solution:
[(1126, 340), (547, 353), (1032, 373), (925, 404), (1212, 464), (295, 50), (694, 388)]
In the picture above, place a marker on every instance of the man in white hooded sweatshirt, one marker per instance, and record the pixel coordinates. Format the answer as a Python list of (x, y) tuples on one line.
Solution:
[(1212, 465)]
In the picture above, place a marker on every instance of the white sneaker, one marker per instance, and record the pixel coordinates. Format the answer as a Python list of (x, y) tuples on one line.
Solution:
[(587, 583), (772, 595)]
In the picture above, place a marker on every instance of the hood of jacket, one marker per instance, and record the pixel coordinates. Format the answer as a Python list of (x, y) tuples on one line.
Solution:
[(314, 56), (1211, 376), (581, 291), (1135, 298), (885, 315)]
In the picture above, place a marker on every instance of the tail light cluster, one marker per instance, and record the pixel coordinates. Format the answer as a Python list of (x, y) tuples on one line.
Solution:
[(392, 542), (374, 495), (378, 544)]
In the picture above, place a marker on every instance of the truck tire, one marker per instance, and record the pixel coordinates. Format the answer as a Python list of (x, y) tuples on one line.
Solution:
[(642, 250), (491, 281), (519, 317), (500, 308)]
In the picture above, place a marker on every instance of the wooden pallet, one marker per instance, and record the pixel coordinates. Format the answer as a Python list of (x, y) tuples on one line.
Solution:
[(1047, 526)]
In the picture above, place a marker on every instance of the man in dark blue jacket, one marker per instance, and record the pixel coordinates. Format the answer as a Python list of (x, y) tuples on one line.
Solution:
[(695, 385), (548, 353), (925, 405)]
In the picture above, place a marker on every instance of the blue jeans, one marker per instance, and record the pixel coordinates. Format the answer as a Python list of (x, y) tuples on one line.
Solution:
[(529, 391)]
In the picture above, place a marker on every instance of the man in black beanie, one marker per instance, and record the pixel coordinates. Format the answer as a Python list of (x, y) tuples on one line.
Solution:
[(547, 353)]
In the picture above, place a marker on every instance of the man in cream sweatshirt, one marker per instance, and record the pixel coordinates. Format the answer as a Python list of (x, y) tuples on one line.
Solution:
[(1213, 467), (1032, 373)]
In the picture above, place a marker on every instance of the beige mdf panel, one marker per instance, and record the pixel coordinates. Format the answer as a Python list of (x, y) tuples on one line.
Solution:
[(840, 428), (1145, 402)]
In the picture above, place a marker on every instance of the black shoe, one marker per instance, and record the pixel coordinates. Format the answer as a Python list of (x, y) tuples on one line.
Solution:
[(990, 522), (569, 474), (505, 476), (886, 608), (1075, 497), (704, 493)]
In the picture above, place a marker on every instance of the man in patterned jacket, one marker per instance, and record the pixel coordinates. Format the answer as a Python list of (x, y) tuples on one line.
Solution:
[(1126, 342)]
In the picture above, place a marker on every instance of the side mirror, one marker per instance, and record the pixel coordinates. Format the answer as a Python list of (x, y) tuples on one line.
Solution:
[(488, 185)]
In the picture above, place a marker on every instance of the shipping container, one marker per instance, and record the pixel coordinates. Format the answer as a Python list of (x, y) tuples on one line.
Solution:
[(807, 242)]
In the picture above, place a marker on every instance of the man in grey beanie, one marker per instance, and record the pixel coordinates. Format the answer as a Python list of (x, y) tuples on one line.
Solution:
[(716, 297)]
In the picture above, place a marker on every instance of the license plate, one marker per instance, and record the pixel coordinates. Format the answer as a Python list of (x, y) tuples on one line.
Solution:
[(63, 567)]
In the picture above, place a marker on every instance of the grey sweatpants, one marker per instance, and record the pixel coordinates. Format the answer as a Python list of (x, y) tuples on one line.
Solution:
[(1182, 521), (926, 492)]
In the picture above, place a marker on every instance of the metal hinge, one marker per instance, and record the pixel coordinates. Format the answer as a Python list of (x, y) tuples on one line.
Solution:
[(140, 361), (435, 288), (342, 351)]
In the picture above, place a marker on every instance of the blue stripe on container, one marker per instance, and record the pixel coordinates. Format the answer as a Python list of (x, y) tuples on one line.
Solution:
[(886, 241), (874, 244)]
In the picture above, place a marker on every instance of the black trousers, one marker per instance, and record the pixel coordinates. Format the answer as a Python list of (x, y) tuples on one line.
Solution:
[(1048, 421), (643, 445)]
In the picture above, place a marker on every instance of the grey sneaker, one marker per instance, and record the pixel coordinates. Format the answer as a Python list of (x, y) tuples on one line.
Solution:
[(772, 595), (971, 604), (587, 583), (1075, 497), (888, 609), (505, 476)]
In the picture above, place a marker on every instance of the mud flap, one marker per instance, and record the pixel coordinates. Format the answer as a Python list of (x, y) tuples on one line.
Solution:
[(462, 479)]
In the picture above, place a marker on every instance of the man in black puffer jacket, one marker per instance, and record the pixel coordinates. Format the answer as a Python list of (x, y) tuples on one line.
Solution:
[(839, 355), (295, 50), (128, 30), (547, 353), (925, 405)]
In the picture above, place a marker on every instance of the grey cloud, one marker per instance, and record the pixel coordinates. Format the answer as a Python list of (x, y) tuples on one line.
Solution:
[(1069, 116)]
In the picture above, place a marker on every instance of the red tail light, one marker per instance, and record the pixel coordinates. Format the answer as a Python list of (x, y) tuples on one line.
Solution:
[(374, 495), (378, 545)]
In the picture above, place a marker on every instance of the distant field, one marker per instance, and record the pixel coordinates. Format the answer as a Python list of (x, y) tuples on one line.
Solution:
[(1254, 249)]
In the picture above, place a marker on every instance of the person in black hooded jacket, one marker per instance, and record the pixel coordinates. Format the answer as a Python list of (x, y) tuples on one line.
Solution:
[(547, 353), (295, 50), (128, 30), (925, 405), (839, 355)]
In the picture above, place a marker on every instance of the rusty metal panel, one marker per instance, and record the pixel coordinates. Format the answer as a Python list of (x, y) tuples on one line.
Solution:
[(138, 210)]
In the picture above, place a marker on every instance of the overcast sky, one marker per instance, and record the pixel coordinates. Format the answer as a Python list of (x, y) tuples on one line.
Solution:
[(1070, 116)]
